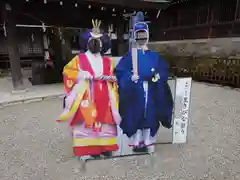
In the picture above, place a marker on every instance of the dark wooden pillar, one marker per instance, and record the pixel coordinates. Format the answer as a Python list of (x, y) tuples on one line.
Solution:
[(66, 46), (236, 10), (120, 34), (56, 53), (9, 17)]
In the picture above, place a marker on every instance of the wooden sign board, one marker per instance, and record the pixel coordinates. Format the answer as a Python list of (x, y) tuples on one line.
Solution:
[(181, 110)]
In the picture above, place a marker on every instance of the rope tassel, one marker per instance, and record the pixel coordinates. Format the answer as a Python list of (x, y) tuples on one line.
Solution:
[(106, 78)]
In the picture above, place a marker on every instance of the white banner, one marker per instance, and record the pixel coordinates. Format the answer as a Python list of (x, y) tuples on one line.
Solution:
[(181, 109)]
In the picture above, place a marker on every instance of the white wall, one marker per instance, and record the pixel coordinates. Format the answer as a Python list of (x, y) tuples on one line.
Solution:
[(199, 47)]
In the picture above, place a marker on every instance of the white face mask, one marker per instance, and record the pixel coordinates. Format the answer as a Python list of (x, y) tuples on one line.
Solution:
[(141, 37)]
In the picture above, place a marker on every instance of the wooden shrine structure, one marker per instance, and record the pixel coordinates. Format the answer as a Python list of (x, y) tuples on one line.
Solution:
[(210, 20), (35, 30), (194, 19)]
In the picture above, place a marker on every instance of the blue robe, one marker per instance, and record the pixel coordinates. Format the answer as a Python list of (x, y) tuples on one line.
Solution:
[(133, 110)]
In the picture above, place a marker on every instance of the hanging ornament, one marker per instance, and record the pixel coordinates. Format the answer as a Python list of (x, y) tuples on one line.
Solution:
[(110, 30), (32, 37), (158, 13), (43, 27), (8, 7), (113, 9), (45, 1), (4, 29), (89, 6), (61, 3), (76, 4)]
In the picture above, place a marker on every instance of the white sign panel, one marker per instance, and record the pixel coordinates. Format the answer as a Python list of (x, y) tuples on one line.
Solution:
[(181, 109)]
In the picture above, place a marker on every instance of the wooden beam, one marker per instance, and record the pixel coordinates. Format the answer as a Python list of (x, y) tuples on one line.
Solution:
[(133, 3), (125, 3), (9, 17)]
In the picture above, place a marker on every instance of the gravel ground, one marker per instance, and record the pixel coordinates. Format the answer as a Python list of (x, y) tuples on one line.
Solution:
[(34, 147)]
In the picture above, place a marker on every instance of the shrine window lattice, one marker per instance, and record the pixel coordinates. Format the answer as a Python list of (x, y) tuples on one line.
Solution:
[(30, 48), (199, 19)]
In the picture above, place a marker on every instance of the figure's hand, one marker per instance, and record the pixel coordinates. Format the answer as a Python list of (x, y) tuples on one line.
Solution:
[(135, 78), (98, 77), (156, 77), (84, 75)]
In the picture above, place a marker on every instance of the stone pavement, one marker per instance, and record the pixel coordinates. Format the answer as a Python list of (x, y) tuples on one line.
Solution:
[(34, 147), (33, 93)]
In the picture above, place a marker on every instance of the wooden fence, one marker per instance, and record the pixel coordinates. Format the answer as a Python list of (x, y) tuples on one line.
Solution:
[(224, 71)]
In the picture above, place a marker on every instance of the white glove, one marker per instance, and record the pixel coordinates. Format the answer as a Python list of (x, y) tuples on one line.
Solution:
[(84, 75), (135, 78)]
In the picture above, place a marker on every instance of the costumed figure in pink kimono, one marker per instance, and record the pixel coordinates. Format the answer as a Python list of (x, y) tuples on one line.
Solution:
[(91, 99)]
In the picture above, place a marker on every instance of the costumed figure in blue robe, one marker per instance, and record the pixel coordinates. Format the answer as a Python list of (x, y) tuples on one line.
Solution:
[(145, 99)]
